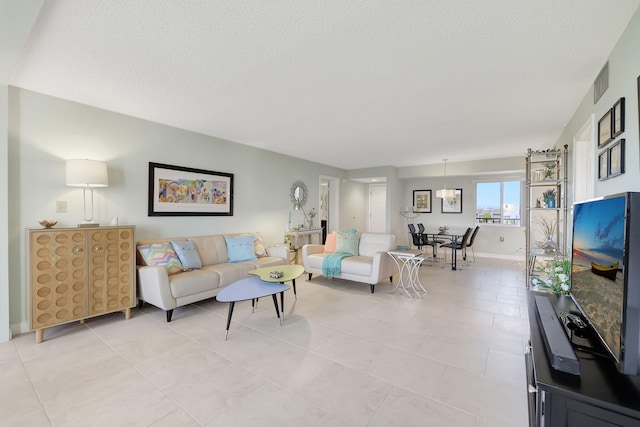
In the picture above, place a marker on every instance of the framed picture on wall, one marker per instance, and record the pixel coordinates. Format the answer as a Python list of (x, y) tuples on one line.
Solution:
[(616, 159), (180, 191), (422, 201), (603, 165), (604, 129), (618, 118), (453, 205)]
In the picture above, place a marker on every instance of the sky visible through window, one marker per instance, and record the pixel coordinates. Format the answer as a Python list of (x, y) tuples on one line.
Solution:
[(488, 198)]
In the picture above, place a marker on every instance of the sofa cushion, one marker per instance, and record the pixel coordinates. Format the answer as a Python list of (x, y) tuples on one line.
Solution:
[(231, 272), (370, 243), (188, 254), (193, 282), (347, 242), (161, 254), (240, 248), (357, 265), (212, 248)]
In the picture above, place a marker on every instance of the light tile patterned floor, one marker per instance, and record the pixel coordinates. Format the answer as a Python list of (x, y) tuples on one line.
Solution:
[(344, 357)]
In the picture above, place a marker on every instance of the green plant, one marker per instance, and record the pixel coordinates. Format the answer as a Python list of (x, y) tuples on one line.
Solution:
[(549, 194), (556, 276), (548, 226), (548, 173)]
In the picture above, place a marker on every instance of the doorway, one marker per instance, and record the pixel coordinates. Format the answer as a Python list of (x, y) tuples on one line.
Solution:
[(377, 208), (329, 204)]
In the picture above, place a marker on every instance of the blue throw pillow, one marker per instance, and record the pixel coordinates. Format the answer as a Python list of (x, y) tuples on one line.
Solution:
[(240, 248), (188, 254)]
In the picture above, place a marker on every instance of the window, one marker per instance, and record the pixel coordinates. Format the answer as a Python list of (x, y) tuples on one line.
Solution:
[(498, 202)]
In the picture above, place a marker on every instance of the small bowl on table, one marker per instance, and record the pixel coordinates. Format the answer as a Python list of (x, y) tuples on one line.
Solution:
[(47, 224)]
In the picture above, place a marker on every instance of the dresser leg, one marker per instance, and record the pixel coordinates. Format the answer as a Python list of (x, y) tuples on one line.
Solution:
[(127, 313), (39, 335)]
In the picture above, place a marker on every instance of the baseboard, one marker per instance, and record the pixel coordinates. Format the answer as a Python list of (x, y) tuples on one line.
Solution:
[(500, 256), (19, 328)]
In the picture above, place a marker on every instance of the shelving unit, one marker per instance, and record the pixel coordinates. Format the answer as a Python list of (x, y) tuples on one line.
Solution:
[(546, 172)]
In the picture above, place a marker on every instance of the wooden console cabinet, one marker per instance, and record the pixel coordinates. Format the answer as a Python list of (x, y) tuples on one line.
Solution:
[(78, 273), (599, 396)]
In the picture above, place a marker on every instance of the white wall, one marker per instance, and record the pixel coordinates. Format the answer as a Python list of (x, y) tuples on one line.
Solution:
[(45, 131), (489, 237), (624, 69)]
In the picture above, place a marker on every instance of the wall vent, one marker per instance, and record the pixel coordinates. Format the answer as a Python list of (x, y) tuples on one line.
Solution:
[(601, 84)]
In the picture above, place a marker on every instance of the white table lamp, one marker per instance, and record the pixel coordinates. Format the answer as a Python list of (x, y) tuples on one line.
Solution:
[(87, 174)]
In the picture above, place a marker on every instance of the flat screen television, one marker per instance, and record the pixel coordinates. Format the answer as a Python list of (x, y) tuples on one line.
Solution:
[(605, 274)]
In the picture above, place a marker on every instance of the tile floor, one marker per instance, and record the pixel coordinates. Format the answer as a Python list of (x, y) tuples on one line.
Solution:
[(344, 357)]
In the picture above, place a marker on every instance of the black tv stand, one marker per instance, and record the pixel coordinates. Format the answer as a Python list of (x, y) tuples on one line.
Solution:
[(599, 396)]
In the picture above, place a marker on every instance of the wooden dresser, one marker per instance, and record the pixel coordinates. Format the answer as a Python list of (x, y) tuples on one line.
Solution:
[(78, 273)]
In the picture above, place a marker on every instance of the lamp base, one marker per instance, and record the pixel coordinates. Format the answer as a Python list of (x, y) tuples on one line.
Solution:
[(88, 224)]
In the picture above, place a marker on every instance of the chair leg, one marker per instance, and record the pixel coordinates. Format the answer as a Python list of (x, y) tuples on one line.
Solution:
[(169, 314), (372, 288)]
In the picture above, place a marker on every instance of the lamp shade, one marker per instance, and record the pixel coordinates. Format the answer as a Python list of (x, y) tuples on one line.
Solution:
[(87, 173), (446, 193)]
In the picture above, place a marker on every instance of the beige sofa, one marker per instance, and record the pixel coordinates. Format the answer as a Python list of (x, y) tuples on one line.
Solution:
[(371, 265), (157, 287)]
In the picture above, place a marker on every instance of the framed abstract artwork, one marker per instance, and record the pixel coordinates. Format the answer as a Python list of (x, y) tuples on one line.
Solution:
[(422, 201), (603, 165), (181, 191), (618, 118), (616, 159), (453, 205), (604, 129)]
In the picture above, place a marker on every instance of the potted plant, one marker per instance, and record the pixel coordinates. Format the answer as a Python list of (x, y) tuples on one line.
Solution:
[(556, 276), (549, 197), (312, 214), (549, 228)]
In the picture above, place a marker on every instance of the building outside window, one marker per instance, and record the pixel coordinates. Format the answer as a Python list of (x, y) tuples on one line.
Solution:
[(498, 202)]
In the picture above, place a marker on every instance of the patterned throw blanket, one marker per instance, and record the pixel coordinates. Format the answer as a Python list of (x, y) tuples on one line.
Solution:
[(331, 264)]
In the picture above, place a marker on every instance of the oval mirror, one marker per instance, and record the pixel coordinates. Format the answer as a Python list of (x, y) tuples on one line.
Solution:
[(299, 193)]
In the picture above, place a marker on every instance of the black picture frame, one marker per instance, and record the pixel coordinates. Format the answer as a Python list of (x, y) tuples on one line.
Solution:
[(616, 159), (604, 129), (617, 121), (183, 191), (422, 201), (452, 205), (603, 165)]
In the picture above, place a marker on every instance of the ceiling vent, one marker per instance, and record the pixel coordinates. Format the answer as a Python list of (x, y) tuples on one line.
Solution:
[(601, 84)]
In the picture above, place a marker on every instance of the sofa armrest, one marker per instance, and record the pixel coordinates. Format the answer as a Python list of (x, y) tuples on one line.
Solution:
[(383, 266), (309, 250), (279, 252), (154, 288)]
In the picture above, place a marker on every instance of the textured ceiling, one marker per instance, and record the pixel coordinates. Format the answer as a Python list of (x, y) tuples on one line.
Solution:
[(351, 84)]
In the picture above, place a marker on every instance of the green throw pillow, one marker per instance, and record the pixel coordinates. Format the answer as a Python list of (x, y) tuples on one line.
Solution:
[(347, 242)]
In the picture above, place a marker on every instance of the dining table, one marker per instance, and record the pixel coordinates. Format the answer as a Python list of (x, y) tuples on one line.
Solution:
[(454, 234)]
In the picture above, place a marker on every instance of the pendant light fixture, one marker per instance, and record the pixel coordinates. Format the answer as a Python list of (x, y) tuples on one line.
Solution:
[(446, 193)]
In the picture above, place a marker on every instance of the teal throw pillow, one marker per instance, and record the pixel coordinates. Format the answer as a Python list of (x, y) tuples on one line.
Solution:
[(188, 254), (347, 242), (240, 248)]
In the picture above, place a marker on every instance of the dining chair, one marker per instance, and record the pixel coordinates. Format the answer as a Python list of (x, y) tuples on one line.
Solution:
[(417, 238), (461, 245), (425, 240), (471, 240)]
